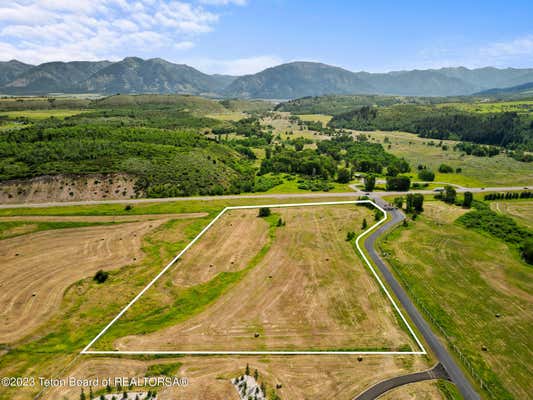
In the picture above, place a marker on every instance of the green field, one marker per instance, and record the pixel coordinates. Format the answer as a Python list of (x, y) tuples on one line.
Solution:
[(499, 170), (36, 115), (518, 106), (316, 117), (229, 116), (476, 289)]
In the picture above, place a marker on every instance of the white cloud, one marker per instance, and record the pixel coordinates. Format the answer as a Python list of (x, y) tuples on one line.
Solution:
[(517, 47), (240, 66), (44, 30)]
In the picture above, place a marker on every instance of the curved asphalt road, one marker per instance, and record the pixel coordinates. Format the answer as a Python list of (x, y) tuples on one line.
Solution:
[(454, 372), (437, 372)]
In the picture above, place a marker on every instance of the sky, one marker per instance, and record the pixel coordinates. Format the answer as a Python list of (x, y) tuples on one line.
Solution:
[(246, 36)]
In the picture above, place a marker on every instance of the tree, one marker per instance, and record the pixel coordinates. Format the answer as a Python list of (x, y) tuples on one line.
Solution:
[(418, 202), (101, 276), (82, 395), (426, 175), (264, 212), (449, 194), (365, 224), (398, 202), (256, 374), (527, 251), (247, 370), (467, 202), (350, 236), (370, 182), (445, 169), (398, 183), (392, 171), (344, 175)]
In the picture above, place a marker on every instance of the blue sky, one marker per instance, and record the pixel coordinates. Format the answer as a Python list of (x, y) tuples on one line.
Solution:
[(246, 36)]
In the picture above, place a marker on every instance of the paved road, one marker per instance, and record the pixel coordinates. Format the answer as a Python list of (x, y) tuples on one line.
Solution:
[(437, 372), (455, 373), (356, 192)]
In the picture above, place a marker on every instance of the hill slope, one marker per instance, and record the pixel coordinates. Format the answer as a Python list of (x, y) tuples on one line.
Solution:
[(285, 81), (135, 75), (9, 70), (524, 90), (53, 77), (298, 79)]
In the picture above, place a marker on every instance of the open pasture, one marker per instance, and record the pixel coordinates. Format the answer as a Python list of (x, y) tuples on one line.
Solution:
[(521, 211), (476, 171), (36, 115), (255, 284), (477, 289)]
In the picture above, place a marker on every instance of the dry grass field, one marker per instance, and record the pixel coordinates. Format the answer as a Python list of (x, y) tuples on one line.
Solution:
[(301, 377), (313, 270), (38, 268), (521, 211), (309, 291), (414, 391)]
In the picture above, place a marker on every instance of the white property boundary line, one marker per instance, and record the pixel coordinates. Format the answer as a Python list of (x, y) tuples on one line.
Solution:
[(173, 261)]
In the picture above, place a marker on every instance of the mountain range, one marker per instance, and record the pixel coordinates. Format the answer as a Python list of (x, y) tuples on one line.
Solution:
[(286, 81)]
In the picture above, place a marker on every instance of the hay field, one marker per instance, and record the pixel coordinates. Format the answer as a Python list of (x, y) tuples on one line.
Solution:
[(309, 290), (302, 377), (521, 211)]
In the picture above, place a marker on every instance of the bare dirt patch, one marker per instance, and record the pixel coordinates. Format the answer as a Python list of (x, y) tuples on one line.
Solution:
[(310, 291), (68, 188), (37, 268)]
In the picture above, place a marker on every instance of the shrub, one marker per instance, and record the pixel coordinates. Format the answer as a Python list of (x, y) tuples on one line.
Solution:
[(445, 169), (426, 175), (344, 175), (264, 212), (467, 202), (101, 276), (399, 183), (527, 251), (398, 202)]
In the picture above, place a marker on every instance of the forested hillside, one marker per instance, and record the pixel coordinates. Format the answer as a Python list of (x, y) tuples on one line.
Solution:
[(508, 129)]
